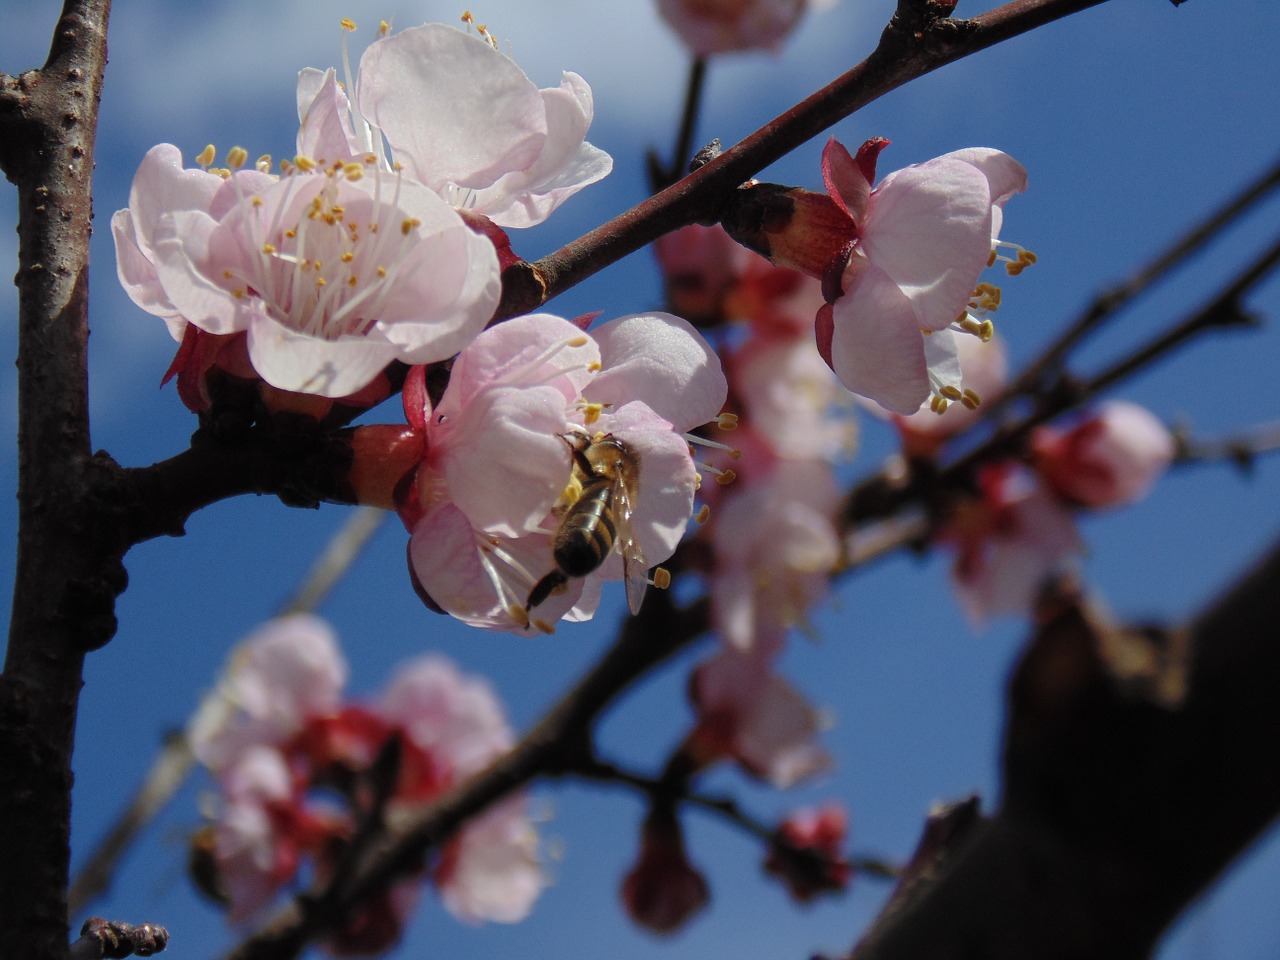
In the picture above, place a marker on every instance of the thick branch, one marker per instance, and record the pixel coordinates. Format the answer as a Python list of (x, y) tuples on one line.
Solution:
[(1124, 794), (68, 564)]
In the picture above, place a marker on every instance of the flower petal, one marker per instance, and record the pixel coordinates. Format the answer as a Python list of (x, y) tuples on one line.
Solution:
[(664, 361), (453, 108), (929, 228), (876, 347)]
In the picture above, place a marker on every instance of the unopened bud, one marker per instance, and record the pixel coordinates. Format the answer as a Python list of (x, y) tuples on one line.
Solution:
[(794, 228)]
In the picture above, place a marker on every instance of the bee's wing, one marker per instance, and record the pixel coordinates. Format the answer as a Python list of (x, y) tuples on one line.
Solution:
[(635, 571)]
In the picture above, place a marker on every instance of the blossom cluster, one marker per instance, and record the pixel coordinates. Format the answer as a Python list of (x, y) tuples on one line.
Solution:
[(1019, 528), (371, 245), (299, 768)]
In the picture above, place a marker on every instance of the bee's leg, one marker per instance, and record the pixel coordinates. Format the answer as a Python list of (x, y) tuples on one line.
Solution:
[(551, 583)]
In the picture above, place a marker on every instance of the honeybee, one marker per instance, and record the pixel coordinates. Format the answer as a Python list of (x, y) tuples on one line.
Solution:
[(598, 519)]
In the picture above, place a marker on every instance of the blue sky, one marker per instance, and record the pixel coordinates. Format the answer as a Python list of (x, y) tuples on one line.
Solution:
[(1133, 120)]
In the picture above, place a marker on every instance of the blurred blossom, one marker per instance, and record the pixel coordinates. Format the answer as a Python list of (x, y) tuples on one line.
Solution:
[(751, 716), (775, 545), (286, 671), (663, 890), (1110, 457), (1009, 542), (296, 768), (923, 237), (500, 471), (709, 27), (808, 852)]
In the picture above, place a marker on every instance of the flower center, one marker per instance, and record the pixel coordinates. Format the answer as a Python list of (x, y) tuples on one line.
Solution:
[(325, 266)]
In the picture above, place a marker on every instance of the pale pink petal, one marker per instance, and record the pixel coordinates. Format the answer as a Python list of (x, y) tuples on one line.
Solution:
[(507, 460), (477, 581), (777, 740), (668, 478), (844, 180), (325, 133), (304, 363), (454, 109), (455, 718), (1005, 175), (566, 164), (492, 869), (928, 228), (661, 359), (534, 349), (876, 347)]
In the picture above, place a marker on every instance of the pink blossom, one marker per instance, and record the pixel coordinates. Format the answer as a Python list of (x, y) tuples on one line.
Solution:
[(331, 273), (923, 237), (791, 397), (500, 455), (284, 672), (808, 852), (748, 714), (491, 870), (1009, 542), (775, 545), (1111, 457), (462, 119), (709, 27), (262, 830), (663, 890)]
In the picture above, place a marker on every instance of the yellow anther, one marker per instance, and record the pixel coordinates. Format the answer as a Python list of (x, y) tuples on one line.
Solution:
[(938, 405), (467, 18), (547, 628), (726, 478), (353, 170), (594, 366), (226, 274), (257, 201), (971, 400), (727, 421), (351, 282), (237, 157), (987, 331), (336, 211), (347, 24), (697, 481), (238, 293), (383, 28), (661, 578), (206, 156), (409, 224), (703, 515), (591, 413), (951, 392), (304, 163), (991, 257), (291, 233), (321, 282), (581, 341), (369, 159), (382, 273), (347, 256), (269, 249)]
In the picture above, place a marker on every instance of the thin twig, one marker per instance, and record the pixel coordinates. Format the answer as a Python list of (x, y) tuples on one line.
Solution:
[(1110, 302)]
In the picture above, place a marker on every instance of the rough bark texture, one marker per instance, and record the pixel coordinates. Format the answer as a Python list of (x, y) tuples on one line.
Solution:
[(67, 575)]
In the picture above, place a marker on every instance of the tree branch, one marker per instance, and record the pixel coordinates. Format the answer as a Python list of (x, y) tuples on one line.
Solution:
[(1137, 766), (909, 48), (68, 562)]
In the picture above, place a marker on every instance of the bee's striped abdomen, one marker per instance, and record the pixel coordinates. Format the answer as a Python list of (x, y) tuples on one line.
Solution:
[(586, 536)]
